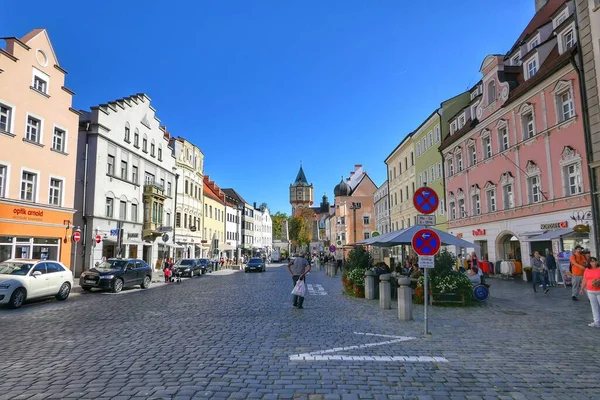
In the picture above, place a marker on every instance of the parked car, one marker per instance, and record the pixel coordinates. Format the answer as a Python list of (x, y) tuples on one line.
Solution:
[(255, 264), (205, 265), (116, 273), (24, 279), (188, 267)]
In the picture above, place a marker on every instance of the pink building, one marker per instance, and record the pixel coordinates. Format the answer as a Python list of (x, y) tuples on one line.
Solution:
[(515, 160)]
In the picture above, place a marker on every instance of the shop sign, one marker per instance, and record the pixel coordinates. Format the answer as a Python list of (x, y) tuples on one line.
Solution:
[(25, 214), (114, 232), (133, 235), (479, 232), (165, 229), (554, 225)]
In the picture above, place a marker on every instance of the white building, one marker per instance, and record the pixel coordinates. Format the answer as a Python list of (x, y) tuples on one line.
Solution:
[(263, 226), (382, 209), (233, 211), (189, 162), (125, 183)]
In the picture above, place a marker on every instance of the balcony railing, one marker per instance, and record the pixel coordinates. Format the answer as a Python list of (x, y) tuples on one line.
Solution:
[(153, 189)]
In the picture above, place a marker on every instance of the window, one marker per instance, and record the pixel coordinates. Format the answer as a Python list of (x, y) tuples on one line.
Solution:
[(475, 201), (491, 92), (572, 174), (55, 195), (159, 153), (136, 139), (567, 109), (162, 184), (186, 187), (461, 121), (533, 43), (3, 174), (430, 136), (127, 132), (168, 188), (450, 167), (178, 220), (145, 145), (459, 162), (394, 173), (134, 174), (420, 180), (366, 220), (561, 18), (491, 200), (528, 126), (58, 140), (508, 196), (516, 60), (134, 212), (453, 127), (442, 206), (412, 159), (418, 149), (396, 197), (122, 210), (28, 186), (5, 118), (40, 85), (423, 145), (123, 169), (452, 210), (33, 130), (168, 219), (110, 165), (531, 68), (406, 192), (148, 178), (152, 149), (431, 173), (534, 189), (472, 155), (503, 138), (439, 170), (461, 208), (413, 188), (437, 134), (568, 40), (109, 207)]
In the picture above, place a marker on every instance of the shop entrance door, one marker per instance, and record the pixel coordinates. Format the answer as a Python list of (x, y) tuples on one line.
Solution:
[(483, 249), (148, 254)]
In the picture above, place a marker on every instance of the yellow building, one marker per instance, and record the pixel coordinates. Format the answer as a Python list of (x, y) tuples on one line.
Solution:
[(401, 177), (213, 237)]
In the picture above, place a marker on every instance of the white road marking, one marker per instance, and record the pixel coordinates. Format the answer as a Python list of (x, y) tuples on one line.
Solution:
[(321, 355), (316, 290)]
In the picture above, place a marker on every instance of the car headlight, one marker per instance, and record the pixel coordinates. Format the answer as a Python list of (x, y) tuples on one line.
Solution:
[(107, 276), (187, 269), (4, 285)]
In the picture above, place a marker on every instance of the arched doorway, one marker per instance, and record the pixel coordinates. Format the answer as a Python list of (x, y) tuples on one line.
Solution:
[(508, 246)]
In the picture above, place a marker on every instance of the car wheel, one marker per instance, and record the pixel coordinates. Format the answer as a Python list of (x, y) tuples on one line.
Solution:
[(117, 286), (17, 298), (63, 292), (146, 283), (87, 289), (191, 274)]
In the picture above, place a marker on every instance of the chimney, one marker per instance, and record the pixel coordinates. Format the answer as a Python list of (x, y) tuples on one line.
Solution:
[(255, 205), (539, 4)]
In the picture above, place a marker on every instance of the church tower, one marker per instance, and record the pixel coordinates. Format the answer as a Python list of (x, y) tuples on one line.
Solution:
[(301, 192)]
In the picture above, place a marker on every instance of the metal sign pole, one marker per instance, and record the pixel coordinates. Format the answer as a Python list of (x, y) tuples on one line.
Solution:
[(75, 261), (426, 293)]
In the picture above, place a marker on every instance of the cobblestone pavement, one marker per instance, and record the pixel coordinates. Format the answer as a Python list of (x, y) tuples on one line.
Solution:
[(237, 336)]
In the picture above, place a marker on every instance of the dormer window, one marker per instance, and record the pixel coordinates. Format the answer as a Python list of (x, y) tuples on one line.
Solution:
[(568, 39), (532, 67), (534, 42), (491, 92), (562, 17), (516, 60), (461, 121), (453, 127)]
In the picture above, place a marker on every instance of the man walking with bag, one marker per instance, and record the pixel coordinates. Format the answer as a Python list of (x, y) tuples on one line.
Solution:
[(298, 269)]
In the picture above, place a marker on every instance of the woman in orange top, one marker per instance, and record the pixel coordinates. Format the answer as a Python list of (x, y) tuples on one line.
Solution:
[(591, 282)]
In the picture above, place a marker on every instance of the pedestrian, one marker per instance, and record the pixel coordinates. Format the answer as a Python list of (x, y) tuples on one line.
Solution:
[(473, 260), (551, 264), (537, 268), (591, 283), (167, 274), (578, 263), (298, 269)]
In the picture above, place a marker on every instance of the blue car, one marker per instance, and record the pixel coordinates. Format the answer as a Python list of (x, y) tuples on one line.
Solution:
[(255, 264)]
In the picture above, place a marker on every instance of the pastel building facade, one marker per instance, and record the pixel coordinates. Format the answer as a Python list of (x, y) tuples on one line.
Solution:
[(382, 209), (515, 158), (125, 191), (402, 185), (38, 151), (214, 220)]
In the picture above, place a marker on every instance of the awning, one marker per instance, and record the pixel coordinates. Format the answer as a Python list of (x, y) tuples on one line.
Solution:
[(226, 247), (175, 246), (554, 234), (532, 233)]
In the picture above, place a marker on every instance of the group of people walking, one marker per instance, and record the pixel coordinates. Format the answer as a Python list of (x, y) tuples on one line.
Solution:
[(585, 277)]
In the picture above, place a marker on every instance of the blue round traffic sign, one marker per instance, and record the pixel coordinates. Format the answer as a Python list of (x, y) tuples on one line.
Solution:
[(426, 242), (426, 200)]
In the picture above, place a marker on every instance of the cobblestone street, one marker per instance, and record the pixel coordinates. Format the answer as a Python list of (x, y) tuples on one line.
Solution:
[(237, 336)]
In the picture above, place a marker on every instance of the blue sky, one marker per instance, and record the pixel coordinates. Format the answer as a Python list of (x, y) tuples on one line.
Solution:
[(261, 85)]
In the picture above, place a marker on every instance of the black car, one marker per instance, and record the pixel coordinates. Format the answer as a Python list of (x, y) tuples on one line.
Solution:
[(255, 264), (205, 265), (188, 267), (116, 273)]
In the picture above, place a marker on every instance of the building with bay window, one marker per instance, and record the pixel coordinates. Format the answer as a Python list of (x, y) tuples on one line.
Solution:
[(125, 189), (38, 156), (515, 158)]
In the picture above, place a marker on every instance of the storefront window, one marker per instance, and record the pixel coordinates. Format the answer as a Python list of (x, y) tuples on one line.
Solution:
[(5, 252), (23, 247)]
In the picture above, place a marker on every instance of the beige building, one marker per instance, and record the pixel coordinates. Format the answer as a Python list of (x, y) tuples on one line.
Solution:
[(189, 161), (213, 243), (38, 142), (401, 177)]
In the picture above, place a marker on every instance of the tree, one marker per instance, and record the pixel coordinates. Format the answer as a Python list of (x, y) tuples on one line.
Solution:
[(278, 220), (301, 227)]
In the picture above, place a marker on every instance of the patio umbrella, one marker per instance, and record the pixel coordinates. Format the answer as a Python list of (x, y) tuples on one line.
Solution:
[(405, 236)]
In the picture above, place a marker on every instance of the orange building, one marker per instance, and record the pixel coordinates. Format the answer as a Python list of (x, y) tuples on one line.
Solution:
[(38, 142)]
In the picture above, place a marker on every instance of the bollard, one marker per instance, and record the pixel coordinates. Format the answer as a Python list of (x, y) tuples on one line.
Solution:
[(385, 294), (329, 273), (404, 299), (369, 285)]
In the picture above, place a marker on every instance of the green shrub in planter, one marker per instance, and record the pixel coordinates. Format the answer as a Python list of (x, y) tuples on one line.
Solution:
[(451, 282)]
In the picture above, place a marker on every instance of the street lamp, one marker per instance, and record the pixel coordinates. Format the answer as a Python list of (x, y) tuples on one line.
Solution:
[(240, 242), (355, 206), (175, 209)]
